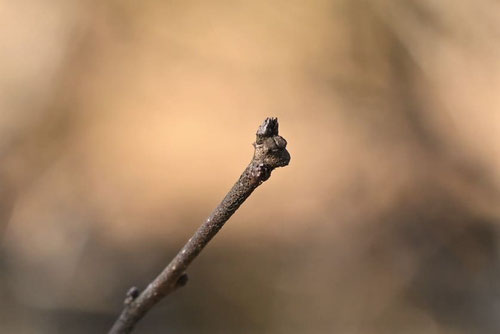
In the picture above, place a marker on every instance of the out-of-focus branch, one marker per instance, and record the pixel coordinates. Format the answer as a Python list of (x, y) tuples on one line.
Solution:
[(270, 153)]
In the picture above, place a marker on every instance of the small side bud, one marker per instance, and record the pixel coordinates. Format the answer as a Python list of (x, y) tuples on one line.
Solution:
[(132, 294), (267, 129), (183, 279)]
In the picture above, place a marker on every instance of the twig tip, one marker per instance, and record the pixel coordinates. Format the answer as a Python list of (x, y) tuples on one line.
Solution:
[(268, 128)]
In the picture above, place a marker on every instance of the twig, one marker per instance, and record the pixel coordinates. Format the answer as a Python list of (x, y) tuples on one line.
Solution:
[(270, 153)]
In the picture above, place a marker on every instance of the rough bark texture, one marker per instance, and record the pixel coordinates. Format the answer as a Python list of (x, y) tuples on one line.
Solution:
[(270, 153)]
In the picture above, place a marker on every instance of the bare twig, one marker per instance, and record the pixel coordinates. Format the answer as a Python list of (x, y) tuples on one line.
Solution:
[(270, 153)]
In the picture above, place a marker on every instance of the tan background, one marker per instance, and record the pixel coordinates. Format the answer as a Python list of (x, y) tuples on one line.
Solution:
[(123, 123)]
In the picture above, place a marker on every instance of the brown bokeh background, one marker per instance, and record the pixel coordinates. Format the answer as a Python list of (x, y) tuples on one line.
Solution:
[(123, 123)]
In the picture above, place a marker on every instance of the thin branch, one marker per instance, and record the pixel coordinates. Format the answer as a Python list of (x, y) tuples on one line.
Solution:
[(270, 153)]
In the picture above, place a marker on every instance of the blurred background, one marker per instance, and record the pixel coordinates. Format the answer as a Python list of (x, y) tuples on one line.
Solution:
[(124, 123)]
